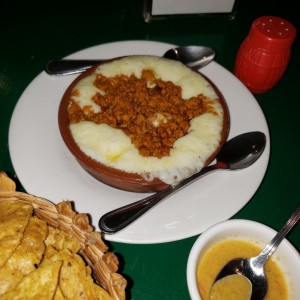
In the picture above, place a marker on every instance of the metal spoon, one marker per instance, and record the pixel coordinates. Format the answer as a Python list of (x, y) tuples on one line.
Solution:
[(192, 56), (253, 268), (237, 153)]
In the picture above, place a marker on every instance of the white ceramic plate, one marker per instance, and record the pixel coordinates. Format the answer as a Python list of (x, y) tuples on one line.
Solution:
[(46, 168)]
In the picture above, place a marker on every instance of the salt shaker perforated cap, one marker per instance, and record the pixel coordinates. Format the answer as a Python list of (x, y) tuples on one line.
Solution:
[(271, 33)]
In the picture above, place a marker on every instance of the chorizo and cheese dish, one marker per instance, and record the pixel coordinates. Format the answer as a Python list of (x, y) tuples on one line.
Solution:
[(147, 115)]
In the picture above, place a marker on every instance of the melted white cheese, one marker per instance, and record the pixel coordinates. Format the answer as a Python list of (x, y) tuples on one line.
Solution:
[(113, 147), (87, 91)]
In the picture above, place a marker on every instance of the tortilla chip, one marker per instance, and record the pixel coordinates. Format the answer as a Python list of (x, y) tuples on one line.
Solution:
[(6, 184), (62, 240), (9, 279), (49, 252), (101, 294), (40, 284), (58, 294), (27, 255), (30, 251), (73, 270), (14, 217)]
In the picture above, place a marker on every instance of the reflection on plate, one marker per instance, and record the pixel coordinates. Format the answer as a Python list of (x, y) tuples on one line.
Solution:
[(47, 169)]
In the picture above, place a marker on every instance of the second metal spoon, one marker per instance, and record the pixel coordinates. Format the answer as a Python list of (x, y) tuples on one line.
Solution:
[(237, 153), (192, 56)]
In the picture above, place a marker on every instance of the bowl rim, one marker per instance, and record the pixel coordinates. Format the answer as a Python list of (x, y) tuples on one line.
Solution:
[(212, 235), (133, 181)]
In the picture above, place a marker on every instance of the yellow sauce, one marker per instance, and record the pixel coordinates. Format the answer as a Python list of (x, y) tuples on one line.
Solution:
[(217, 256), (232, 287)]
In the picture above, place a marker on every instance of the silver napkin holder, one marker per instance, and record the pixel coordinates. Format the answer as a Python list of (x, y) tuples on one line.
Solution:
[(163, 9)]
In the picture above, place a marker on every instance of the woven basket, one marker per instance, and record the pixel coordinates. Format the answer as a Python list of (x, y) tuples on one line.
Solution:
[(62, 216)]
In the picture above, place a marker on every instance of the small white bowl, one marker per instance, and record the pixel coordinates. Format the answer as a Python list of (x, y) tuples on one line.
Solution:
[(250, 231)]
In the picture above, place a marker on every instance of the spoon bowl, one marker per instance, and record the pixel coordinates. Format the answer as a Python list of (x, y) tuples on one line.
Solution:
[(194, 57), (253, 268), (238, 153)]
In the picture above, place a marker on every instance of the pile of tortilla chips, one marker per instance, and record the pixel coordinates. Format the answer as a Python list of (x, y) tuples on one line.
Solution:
[(38, 261)]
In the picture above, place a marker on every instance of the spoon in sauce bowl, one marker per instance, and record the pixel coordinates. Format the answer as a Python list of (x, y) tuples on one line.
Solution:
[(253, 268), (238, 153), (192, 56), (231, 287)]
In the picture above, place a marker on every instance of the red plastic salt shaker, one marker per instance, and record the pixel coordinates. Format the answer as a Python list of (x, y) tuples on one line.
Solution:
[(265, 53)]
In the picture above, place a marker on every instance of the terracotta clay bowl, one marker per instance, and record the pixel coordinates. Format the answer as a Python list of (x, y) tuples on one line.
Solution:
[(112, 176)]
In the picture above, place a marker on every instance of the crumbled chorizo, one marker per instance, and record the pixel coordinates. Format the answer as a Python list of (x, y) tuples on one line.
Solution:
[(150, 111)]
